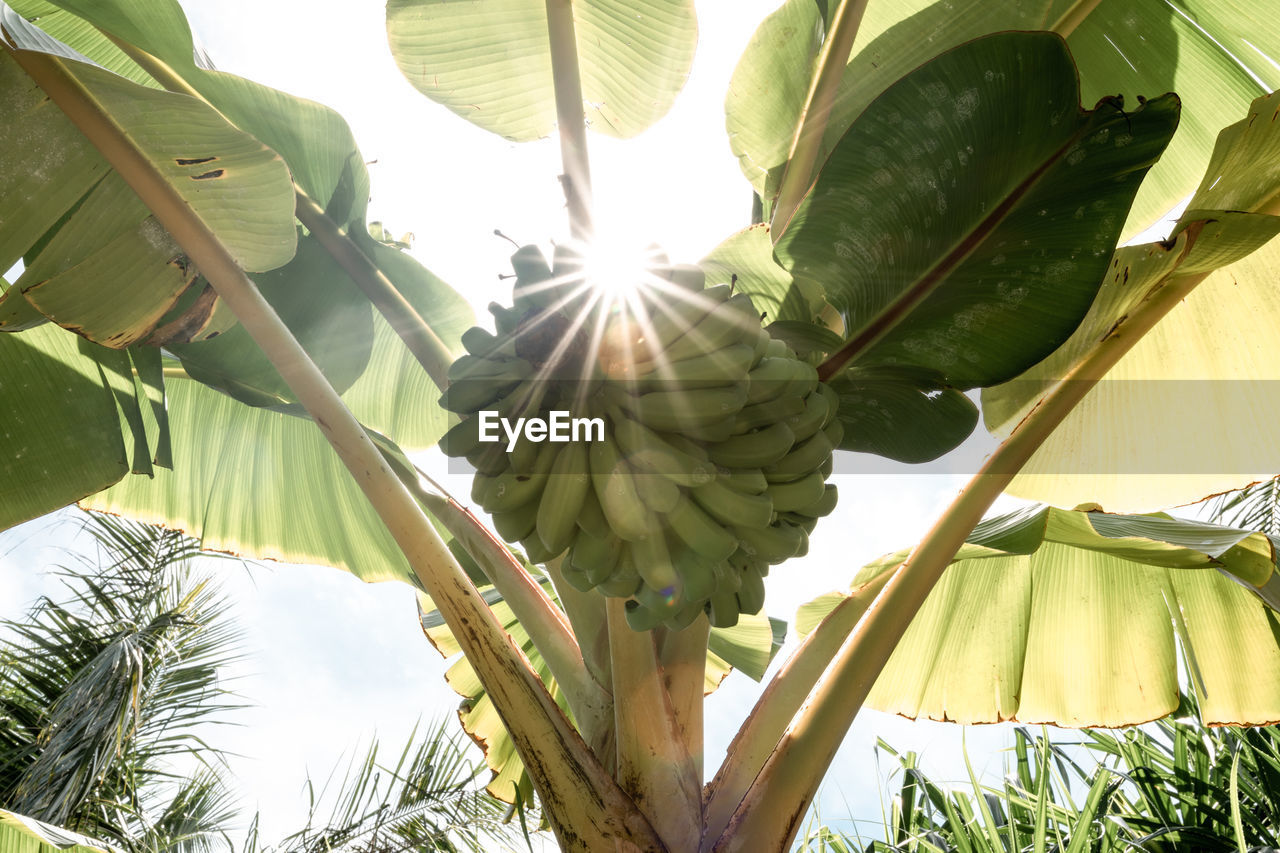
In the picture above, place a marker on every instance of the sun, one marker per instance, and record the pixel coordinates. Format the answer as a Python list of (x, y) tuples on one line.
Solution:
[(616, 266)]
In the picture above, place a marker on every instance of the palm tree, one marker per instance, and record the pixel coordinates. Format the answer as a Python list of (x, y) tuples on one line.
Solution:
[(102, 696)]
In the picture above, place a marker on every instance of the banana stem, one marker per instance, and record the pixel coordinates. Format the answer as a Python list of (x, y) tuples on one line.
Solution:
[(570, 117), (404, 319), (574, 788), (548, 627), (770, 812), (777, 705), (587, 618), (654, 766), (806, 144), (683, 657)]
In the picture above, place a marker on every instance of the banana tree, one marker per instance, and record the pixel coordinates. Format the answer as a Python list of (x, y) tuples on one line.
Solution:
[(206, 333)]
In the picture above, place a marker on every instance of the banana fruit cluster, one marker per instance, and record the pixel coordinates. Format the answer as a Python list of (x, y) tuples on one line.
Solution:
[(705, 450)]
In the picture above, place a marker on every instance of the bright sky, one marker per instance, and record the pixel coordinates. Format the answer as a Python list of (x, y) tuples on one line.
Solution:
[(334, 660)]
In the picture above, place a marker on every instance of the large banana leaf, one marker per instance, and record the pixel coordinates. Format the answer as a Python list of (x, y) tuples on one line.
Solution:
[(1190, 411), (490, 61), (260, 483), (1080, 619), (324, 162), (946, 212), (978, 181), (356, 352), (60, 423), (1216, 56), (20, 834), (119, 272)]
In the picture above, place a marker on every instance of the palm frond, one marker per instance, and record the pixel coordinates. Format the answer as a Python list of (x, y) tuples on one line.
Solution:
[(101, 692), (1256, 507), (429, 800)]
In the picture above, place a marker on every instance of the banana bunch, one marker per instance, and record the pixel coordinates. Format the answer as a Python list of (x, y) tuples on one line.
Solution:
[(704, 448)]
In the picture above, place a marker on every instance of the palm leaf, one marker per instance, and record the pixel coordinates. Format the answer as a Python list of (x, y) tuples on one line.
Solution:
[(427, 800), (101, 691)]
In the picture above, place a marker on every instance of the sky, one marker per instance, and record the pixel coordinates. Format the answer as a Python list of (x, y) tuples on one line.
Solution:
[(330, 660)]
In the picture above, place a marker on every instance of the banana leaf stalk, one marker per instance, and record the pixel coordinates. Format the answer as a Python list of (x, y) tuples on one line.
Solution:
[(806, 144)]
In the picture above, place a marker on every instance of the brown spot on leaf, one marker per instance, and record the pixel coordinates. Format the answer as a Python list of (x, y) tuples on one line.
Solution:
[(184, 327), (194, 161), (208, 176)]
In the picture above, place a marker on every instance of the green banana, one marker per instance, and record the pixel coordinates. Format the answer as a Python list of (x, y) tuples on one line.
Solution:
[(691, 524), (657, 492), (833, 401), (789, 497), (697, 578), (764, 414), (669, 316), (780, 377), (482, 342), (749, 480), (685, 616), (709, 370), (652, 560), (524, 455), (753, 449), (803, 550), (733, 507), (710, 433), (534, 550), (616, 490), (724, 610), (677, 411), (595, 557), (812, 419), (576, 577), (644, 617), (461, 439), (728, 578), (465, 396), (824, 505), (592, 520), (687, 276), (751, 594), (773, 544), (624, 580), (477, 367), (803, 458), (796, 519), (506, 319), (510, 489), (834, 431), (532, 273), (778, 348), (516, 524), (563, 497), (649, 452), (735, 322)]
